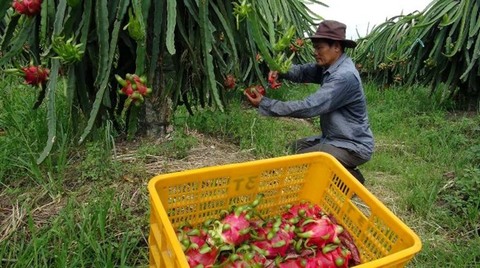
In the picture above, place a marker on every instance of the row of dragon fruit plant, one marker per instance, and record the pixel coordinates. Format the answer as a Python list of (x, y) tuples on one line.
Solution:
[(157, 54)]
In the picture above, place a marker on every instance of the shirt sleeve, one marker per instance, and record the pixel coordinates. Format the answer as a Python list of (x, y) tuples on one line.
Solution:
[(304, 73), (334, 93)]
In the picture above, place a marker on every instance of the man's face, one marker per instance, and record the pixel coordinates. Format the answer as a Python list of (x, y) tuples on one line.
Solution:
[(326, 54)]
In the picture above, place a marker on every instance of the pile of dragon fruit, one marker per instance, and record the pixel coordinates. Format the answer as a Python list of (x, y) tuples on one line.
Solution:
[(303, 236)]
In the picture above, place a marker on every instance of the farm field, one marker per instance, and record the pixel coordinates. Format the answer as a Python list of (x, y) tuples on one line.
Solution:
[(98, 97)]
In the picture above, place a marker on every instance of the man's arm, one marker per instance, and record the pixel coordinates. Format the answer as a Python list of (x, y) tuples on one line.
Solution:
[(304, 73)]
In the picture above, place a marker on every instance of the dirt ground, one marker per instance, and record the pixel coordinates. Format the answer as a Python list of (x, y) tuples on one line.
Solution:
[(207, 152)]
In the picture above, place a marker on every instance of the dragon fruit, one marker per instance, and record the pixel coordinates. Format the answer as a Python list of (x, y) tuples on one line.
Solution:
[(244, 257), (302, 236), (348, 243), (134, 87), (35, 75), (233, 229), (229, 82), (297, 213), (338, 255), (331, 256), (320, 232), (67, 50), (27, 7), (293, 263), (273, 80), (202, 257), (274, 239), (140, 86), (195, 248), (127, 89), (190, 237), (319, 261)]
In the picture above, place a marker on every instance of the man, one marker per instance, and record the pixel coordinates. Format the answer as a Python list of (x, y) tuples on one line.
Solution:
[(340, 101)]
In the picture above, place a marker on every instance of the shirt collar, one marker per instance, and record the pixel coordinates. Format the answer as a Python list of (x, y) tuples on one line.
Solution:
[(337, 63)]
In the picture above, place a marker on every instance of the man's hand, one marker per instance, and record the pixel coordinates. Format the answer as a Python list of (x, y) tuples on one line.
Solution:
[(254, 97)]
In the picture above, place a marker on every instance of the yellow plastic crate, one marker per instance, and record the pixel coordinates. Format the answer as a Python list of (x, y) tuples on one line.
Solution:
[(197, 195)]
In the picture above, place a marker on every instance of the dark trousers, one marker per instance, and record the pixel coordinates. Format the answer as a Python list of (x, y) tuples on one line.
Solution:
[(347, 158)]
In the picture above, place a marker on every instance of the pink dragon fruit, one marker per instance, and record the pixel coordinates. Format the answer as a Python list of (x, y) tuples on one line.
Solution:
[(304, 236), (27, 7), (293, 263), (320, 232), (233, 229), (203, 257), (127, 89), (244, 257), (195, 248), (141, 88), (349, 244), (319, 261), (304, 210), (338, 255), (134, 87), (35, 75), (229, 82), (274, 238), (331, 256)]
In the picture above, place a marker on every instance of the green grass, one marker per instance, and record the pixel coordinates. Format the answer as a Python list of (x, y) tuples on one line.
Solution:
[(424, 143), (83, 207)]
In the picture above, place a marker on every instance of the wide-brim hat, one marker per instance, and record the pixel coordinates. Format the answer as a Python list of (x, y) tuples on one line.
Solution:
[(334, 30)]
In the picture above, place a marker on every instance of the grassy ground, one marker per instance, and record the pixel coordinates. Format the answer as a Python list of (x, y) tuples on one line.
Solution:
[(87, 206)]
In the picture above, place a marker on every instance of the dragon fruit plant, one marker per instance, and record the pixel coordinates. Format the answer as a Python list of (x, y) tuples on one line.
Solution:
[(302, 236)]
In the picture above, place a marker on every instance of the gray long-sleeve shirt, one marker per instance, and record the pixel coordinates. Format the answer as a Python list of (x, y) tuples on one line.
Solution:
[(340, 103)]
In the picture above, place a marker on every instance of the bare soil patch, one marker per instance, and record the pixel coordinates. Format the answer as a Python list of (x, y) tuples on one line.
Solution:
[(209, 151)]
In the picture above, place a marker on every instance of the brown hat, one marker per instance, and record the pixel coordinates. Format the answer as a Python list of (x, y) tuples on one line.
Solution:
[(334, 30)]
